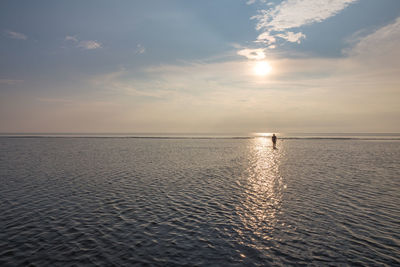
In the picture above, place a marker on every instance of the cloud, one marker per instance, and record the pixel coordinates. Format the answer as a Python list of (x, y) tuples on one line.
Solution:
[(71, 38), (16, 35), (86, 44), (266, 38), (356, 93), (316, 94), (140, 49), (55, 100), (10, 81), (89, 45), (380, 47), (296, 13), (278, 21), (256, 54), (292, 37)]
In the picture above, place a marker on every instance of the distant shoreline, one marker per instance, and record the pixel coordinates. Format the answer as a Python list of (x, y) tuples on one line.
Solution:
[(341, 137)]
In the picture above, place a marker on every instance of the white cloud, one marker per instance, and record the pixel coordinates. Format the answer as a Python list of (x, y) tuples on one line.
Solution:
[(296, 13), (292, 37), (266, 38), (89, 45), (86, 44), (16, 35), (380, 47), (140, 49), (71, 38), (256, 54), (290, 14)]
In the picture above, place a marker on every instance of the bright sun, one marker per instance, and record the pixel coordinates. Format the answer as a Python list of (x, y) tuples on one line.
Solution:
[(262, 68)]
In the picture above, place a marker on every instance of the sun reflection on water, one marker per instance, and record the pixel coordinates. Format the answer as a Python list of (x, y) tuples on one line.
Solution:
[(262, 190)]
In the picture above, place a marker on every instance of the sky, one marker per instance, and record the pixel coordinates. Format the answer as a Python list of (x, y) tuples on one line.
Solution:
[(188, 66)]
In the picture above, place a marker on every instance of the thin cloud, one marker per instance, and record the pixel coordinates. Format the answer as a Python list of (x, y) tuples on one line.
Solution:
[(386, 38), (10, 81), (279, 21), (86, 44), (55, 100), (16, 35), (140, 49), (379, 49), (89, 45), (256, 54), (71, 38)]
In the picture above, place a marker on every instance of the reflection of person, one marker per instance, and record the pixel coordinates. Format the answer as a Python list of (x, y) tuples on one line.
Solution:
[(274, 140)]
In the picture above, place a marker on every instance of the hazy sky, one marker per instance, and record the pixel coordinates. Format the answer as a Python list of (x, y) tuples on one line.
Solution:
[(200, 66)]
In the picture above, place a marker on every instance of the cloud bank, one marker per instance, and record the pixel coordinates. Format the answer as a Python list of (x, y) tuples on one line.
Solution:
[(357, 93), (354, 93)]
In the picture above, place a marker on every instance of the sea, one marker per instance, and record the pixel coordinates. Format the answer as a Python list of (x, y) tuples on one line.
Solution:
[(199, 200)]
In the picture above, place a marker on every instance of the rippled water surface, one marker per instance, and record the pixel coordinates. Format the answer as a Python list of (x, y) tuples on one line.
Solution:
[(125, 201)]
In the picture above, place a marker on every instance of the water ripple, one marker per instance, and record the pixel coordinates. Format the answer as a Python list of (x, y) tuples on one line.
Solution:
[(167, 202)]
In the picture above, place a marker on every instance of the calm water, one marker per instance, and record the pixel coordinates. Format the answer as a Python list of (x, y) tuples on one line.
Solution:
[(125, 201)]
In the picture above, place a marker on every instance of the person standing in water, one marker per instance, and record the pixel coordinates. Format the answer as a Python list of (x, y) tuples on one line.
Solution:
[(274, 140)]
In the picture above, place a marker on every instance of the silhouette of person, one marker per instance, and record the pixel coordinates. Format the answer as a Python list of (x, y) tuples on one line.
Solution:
[(274, 140)]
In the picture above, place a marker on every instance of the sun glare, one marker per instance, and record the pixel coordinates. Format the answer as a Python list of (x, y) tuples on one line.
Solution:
[(262, 68)]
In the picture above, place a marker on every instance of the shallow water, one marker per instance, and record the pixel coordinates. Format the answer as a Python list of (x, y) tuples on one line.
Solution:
[(125, 201)]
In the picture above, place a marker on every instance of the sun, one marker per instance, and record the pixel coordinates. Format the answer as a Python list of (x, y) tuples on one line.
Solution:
[(262, 68)]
